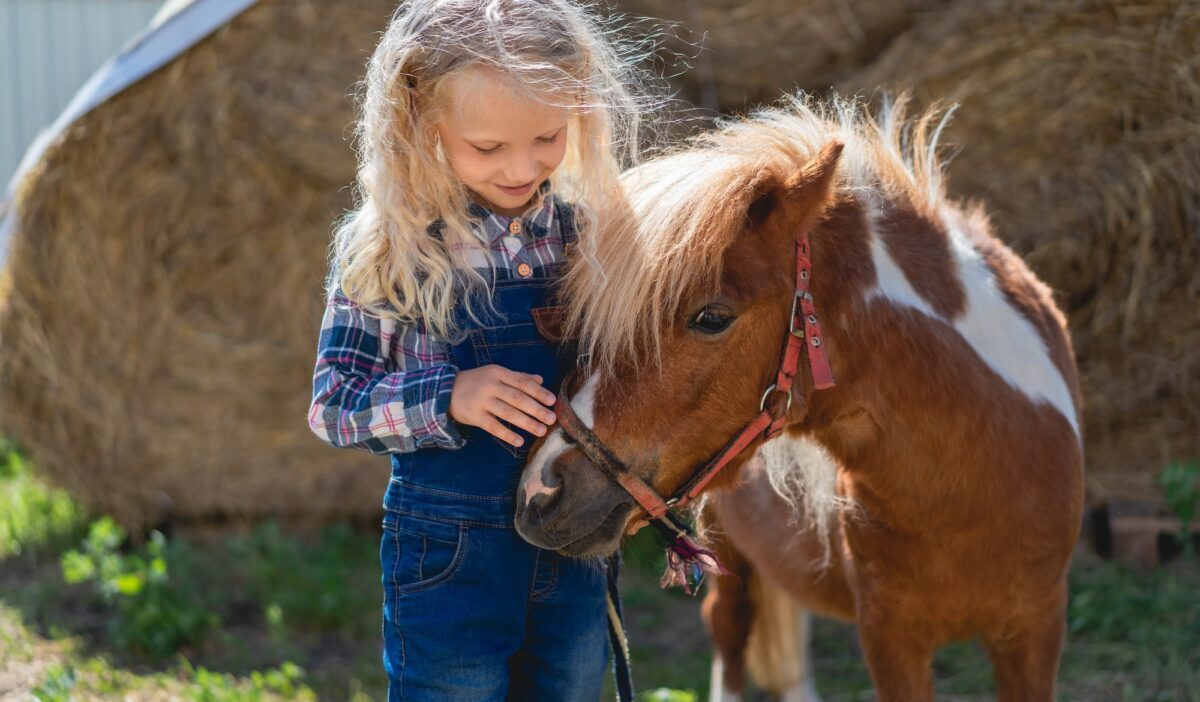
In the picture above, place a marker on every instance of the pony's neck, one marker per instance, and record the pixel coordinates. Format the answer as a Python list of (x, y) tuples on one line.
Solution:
[(946, 350), (890, 371)]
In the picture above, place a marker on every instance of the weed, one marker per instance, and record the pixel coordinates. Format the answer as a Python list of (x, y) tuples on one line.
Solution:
[(304, 582), (667, 695), (284, 681), (155, 615), (57, 686), (1180, 483), (32, 515)]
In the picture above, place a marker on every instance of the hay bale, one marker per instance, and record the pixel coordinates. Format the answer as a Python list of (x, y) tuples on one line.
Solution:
[(160, 332), (754, 49), (1080, 128)]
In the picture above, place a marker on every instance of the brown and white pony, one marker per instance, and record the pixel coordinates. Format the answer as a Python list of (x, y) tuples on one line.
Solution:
[(933, 494)]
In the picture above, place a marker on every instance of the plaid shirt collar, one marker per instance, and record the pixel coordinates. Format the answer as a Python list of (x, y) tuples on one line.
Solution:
[(537, 225)]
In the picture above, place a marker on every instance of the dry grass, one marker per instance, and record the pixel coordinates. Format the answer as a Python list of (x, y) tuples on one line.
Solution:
[(744, 52), (166, 280)]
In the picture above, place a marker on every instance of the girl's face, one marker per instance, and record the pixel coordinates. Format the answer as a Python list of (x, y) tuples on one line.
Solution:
[(499, 144)]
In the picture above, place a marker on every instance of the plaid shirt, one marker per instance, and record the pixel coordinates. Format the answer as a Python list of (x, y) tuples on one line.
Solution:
[(384, 386)]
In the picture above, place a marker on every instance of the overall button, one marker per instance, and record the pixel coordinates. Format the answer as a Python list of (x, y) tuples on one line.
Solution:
[(514, 227), (524, 270)]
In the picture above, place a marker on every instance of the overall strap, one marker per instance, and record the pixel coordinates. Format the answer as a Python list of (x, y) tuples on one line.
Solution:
[(568, 223)]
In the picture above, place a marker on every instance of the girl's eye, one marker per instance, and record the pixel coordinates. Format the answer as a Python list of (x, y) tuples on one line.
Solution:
[(492, 150), (711, 320), (549, 139)]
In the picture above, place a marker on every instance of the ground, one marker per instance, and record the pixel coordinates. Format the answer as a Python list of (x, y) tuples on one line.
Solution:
[(235, 620)]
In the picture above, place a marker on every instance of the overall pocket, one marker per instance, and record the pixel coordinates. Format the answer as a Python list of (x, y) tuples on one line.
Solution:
[(418, 554)]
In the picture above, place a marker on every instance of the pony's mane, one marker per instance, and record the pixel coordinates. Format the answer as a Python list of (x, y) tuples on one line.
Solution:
[(686, 207)]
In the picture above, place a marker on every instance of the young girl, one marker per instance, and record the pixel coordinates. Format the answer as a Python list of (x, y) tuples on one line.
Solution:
[(427, 349)]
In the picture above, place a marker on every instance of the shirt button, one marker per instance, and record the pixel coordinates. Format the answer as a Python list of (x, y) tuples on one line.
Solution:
[(524, 270), (514, 227)]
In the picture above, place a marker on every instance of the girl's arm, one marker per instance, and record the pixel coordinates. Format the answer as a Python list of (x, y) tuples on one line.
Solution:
[(364, 399)]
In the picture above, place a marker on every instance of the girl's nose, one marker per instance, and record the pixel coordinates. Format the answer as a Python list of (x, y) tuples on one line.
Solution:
[(521, 169)]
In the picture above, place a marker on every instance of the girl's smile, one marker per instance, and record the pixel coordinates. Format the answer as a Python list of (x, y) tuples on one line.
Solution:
[(517, 190)]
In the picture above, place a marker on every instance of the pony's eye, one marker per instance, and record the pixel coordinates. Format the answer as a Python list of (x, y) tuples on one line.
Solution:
[(711, 320)]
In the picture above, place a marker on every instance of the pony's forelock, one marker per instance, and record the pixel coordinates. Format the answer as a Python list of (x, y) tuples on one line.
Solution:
[(670, 236)]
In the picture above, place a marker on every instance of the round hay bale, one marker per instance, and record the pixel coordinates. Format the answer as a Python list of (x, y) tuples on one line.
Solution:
[(1079, 127), (743, 52), (167, 272)]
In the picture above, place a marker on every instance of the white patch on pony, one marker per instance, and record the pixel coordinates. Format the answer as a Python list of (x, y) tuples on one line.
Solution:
[(555, 444), (1001, 336), (803, 473), (891, 281), (803, 692), (716, 686), (550, 450), (584, 402)]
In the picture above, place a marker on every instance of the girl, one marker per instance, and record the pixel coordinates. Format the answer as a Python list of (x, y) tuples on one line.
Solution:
[(427, 349)]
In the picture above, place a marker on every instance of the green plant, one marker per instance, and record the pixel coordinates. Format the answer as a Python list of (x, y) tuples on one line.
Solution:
[(285, 681), (154, 615), (1180, 483), (303, 582), (57, 685), (32, 515), (666, 695)]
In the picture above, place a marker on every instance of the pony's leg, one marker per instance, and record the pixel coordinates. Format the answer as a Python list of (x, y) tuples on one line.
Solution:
[(727, 611), (1026, 657), (898, 657), (757, 627), (777, 653)]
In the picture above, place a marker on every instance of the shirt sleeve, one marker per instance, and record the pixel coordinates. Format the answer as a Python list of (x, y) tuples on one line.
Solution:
[(380, 385)]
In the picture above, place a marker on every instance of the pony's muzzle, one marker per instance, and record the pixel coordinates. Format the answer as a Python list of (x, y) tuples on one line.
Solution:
[(569, 505)]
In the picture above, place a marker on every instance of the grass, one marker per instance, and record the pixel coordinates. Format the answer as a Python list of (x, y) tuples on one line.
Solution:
[(271, 616)]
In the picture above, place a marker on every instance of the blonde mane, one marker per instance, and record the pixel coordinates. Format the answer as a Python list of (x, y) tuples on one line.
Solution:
[(682, 212)]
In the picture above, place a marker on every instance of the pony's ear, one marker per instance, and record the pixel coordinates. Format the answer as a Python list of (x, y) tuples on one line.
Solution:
[(762, 196), (808, 190), (812, 186)]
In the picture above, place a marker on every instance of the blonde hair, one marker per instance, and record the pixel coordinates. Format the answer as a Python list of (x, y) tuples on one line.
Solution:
[(383, 257)]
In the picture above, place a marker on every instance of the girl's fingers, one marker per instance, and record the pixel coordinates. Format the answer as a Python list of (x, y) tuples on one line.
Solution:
[(514, 415), (523, 402), (498, 430), (531, 385)]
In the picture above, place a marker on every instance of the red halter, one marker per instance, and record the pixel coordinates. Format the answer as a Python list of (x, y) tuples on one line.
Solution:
[(803, 331)]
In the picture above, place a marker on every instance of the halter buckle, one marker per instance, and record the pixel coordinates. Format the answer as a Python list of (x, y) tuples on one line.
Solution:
[(800, 295), (762, 404)]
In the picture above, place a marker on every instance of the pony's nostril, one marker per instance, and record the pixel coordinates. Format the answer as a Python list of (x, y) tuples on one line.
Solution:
[(541, 490), (552, 476), (541, 502)]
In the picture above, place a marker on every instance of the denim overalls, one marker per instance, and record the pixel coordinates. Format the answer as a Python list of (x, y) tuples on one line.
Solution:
[(471, 610)]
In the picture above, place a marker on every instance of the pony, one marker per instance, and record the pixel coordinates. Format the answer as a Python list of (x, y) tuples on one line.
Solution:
[(919, 472)]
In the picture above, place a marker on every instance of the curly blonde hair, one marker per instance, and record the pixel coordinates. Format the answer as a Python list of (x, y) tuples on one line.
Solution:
[(382, 256)]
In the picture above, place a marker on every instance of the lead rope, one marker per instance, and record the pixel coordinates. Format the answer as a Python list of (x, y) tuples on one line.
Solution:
[(622, 671)]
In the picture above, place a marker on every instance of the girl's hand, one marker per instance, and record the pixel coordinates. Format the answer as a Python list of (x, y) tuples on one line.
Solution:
[(483, 396)]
